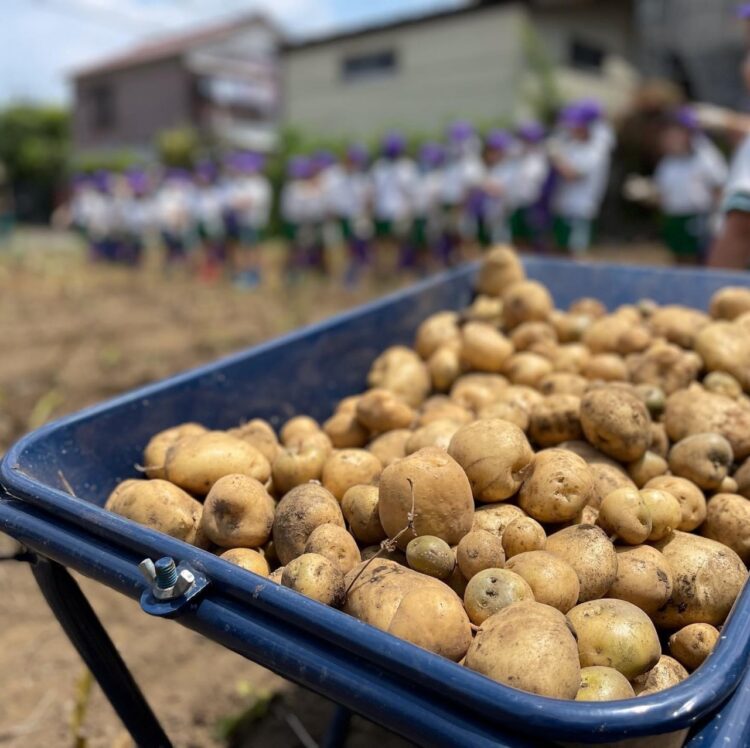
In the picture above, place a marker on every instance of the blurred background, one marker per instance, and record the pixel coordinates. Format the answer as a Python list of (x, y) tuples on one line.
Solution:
[(182, 178)]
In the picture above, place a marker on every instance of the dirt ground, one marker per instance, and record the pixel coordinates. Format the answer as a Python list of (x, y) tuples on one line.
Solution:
[(73, 334)]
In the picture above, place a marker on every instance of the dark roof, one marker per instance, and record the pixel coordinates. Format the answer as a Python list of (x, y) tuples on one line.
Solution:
[(172, 46), (395, 23)]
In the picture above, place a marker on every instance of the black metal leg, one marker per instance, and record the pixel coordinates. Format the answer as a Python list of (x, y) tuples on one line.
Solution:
[(80, 623), (338, 728)]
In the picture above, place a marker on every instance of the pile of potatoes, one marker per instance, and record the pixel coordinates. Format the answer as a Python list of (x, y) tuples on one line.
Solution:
[(559, 500)]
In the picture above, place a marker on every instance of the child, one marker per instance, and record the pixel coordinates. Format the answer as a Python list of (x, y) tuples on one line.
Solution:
[(527, 222), (174, 215), (137, 214), (427, 225), (688, 180), (210, 207), (499, 187), (581, 160)]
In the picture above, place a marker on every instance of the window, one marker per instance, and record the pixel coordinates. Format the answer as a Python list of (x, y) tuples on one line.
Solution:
[(369, 65), (102, 107), (586, 56)]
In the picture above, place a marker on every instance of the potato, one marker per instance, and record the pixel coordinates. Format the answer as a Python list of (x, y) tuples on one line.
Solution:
[(649, 466), (155, 454), (526, 647), (496, 517), (678, 324), (607, 366), (276, 575), (725, 346), (522, 535), (707, 578), (696, 411), (298, 513), (722, 383), (589, 306), (196, 462), (491, 590), (616, 422), (664, 365), (345, 468), (248, 559), (571, 358), (298, 427), (415, 607), (569, 327), (430, 555), (316, 577), (555, 419), (691, 645), (238, 513), (689, 496), (525, 301), (444, 367), (728, 485), (345, 431), (294, 466), (653, 398), (160, 505), (259, 434), (479, 550), (484, 309), (437, 330), (538, 337), (519, 394), (742, 479), (512, 412), (473, 391), (360, 509), (728, 521), (665, 511), (624, 513), (730, 302), (526, 368), (403, 372), (665, 674), (501, 268), (600, 683), (588, 550), (704, 459), (553, 581), (587, 516), (616, 333), (336, 544), (659, 440), (435, 434), (615, 633), (441, 407), (390, 446), (644, 578), (563, 383), (432, 484), (381, 410), (483, 348), (495, 455), (557, 486)]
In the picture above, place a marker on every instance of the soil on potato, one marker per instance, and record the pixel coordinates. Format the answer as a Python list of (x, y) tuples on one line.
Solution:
[(73, 334)]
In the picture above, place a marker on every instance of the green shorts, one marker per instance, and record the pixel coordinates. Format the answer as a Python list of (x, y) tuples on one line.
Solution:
[(521, 228), (383, 228), (686, 235), (572, 234), (289, 230)]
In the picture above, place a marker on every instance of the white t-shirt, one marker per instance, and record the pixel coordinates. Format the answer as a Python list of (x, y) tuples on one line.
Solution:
[(532, 168), (137, 214), (738, 181), (459, 176), (292, 201), (427, 193), (174, 203), (393, 187), (502, 177), (350, 194), (687, 184), (250, 197), (582, 197)]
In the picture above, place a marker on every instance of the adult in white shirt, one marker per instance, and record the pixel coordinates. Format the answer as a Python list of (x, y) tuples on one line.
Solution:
[(688, 181), (499, 187), (581, 159), (528, 220)]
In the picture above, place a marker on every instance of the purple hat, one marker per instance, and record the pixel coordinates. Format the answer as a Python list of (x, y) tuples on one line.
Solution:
[(460, 131), (393, 144), (687, 118), (102, 180), (498, 140), (298, 167), (357, 154), (177, 174), (531, 132), (206, 170), (137, 180), (248, 162), (743, 11), (431, 154), (323, 159)]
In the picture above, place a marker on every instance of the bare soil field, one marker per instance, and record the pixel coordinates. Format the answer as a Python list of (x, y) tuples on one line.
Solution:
[(73, 334)]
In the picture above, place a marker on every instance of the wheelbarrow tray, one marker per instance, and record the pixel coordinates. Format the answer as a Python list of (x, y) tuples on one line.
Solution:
[(422, 696)]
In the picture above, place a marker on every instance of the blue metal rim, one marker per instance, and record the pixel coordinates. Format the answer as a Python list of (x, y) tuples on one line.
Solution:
[(676, 708)]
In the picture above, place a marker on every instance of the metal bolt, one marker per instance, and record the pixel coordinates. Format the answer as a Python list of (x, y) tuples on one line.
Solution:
[(166, 573)]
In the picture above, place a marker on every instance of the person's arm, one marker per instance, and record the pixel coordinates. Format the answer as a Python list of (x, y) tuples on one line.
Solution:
[(731, 249)]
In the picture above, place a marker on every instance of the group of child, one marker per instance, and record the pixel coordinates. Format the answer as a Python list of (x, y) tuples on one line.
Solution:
[(535, 188)]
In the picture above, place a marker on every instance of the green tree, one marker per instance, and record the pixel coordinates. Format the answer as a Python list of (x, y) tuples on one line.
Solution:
[(178, 147)]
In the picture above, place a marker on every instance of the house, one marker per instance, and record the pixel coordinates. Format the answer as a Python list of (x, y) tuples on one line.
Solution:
[(222, 80)]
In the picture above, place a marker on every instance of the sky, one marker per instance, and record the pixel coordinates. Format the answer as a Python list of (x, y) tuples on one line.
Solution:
[(42, 41)]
